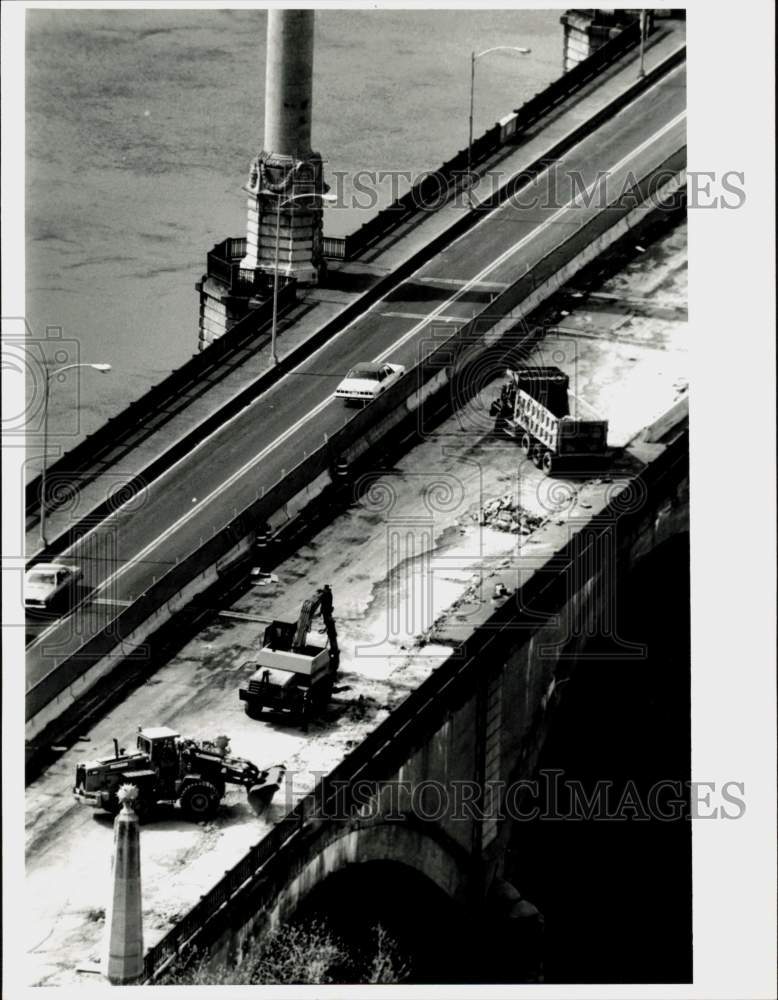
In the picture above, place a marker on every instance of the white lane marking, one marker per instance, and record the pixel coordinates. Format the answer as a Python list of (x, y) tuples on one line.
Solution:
[(409, 315), (435, 314), (492, 285)]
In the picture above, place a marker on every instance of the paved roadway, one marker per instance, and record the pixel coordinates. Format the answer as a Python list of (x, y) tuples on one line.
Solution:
[(225, 473)]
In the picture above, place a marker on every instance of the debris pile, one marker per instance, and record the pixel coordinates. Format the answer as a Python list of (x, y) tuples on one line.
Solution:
[(506, 514)]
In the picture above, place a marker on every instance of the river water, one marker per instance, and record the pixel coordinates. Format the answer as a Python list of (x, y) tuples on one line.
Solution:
[(140, 126)]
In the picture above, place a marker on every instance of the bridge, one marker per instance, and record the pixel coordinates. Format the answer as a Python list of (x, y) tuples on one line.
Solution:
[(450, 296), (427, 789)]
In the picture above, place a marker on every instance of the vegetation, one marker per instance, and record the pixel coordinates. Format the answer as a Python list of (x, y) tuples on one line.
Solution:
[(301, 954)]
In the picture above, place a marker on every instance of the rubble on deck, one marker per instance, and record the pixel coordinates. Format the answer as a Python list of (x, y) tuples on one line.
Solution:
[(506, 514)]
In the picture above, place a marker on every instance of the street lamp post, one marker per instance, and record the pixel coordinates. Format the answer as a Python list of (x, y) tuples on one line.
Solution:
[(283, 204), (46, 391), (473, 56), (643, 20)]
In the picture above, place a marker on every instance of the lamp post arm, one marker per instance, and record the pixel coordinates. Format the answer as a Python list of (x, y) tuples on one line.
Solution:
[(473, 56), (503, 48)]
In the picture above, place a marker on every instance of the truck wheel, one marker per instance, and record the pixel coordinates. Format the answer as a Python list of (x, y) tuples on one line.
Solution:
[(252, 711), (537, 455), (549, 463), (526, 444), (323, 695), (200, 800)]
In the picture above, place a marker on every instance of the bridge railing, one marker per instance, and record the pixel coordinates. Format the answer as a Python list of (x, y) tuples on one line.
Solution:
[(223, 262), (439, 185), (334, 247), (409, 726)]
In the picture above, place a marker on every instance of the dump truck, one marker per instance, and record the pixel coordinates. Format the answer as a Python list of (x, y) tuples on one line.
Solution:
[(165, 768), (533, 407), (295, 668)]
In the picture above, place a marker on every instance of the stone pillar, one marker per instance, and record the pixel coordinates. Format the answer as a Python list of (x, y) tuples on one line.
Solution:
[(123, 956), (286, 167), (587, 29)]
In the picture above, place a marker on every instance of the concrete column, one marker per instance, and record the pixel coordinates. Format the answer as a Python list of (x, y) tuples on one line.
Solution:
[(123, 956), (289, 82), (280, 224)]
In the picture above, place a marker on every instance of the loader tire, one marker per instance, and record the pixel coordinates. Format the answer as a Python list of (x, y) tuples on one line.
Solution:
[(200, 800)]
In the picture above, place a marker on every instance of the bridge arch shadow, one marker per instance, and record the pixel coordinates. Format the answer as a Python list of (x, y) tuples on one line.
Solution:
[(622, 724), (395, 876)]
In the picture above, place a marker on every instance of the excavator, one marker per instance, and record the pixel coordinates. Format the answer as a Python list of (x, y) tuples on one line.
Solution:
[(295, 669), (165, 768)]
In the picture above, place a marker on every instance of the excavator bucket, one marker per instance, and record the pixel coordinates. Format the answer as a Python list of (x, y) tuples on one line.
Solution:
[(261, 795)]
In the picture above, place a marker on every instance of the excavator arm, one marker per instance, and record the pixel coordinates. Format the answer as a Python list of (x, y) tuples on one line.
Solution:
[(303, 626)]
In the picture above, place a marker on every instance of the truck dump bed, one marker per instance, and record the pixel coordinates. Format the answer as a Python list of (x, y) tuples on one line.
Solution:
[(547, 386), (308, 661)]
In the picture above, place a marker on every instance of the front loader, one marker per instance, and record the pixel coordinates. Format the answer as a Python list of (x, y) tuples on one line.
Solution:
[(165, 768)]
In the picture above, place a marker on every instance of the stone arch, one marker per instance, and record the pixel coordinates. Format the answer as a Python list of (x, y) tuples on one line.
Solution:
[(444, 865), (401, 877)]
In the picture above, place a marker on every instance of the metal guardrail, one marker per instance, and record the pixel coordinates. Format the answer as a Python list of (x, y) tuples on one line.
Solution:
[(223, 263), (334, 247), (408, 726), (355, 429), (437, 187)]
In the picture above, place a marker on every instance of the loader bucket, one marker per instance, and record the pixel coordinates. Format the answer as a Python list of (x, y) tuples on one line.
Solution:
[(260, 796)]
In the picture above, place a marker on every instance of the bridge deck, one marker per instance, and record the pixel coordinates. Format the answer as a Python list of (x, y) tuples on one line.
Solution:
[(627, 365)]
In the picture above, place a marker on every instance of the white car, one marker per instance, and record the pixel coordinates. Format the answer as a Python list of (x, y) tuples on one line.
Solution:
[(368, 380), (45, 582)]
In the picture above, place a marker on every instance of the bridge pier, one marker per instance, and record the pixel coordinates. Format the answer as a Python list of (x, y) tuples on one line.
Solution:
[(284, 228)]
